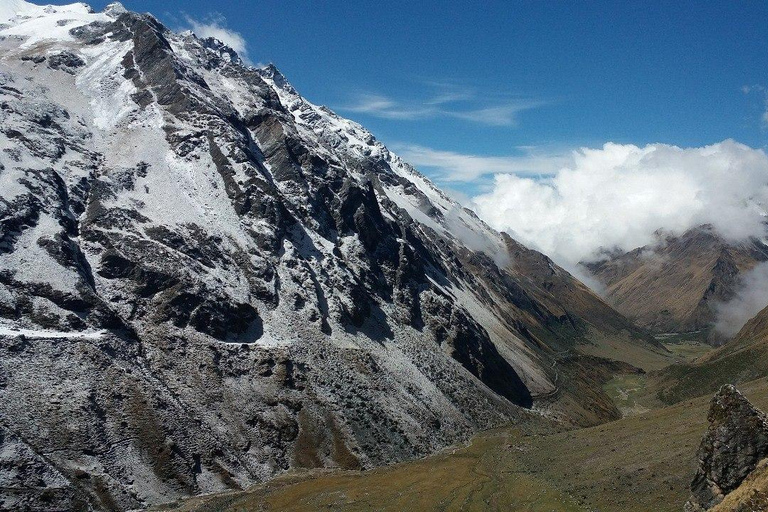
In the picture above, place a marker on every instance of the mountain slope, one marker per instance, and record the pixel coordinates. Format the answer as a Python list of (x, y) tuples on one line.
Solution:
[(672, 286), (206, 280), (620, 466), (742, 359)]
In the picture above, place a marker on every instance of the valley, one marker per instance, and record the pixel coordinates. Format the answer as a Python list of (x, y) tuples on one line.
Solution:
[(644, 461), (217, 295), (640, 463)]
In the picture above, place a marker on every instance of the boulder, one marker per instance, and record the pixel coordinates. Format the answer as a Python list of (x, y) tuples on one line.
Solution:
[(736, 440)]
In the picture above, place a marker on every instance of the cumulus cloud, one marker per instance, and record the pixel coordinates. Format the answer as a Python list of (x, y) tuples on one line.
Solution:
[(215, 26), (445, 100), (453, 166), (749, 301), (617, 196)]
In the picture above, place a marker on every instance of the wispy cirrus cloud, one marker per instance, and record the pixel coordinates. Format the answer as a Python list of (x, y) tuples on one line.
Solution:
[(498, 115), (381, 106), (464, 167), (215, 26), (762, 91), (446, 100)]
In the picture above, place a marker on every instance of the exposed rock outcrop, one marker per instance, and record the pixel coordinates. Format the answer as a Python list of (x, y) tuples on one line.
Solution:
[(736, 440)]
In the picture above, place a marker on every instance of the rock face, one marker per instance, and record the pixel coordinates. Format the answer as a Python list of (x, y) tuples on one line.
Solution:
[(206, 280), (673, 285), (751, 495), (737, 439)]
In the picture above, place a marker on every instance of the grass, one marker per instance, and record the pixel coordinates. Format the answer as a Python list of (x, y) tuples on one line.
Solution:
[(480, 476), (625, 348), (636, 394), (706, 374), (640, 463), (688, 350), (625, 391), (686, 346)]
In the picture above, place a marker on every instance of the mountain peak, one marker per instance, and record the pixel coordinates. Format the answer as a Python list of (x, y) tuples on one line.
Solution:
[(37, 23), (115, 9), (270, 71), (222, 50), (12, 9)]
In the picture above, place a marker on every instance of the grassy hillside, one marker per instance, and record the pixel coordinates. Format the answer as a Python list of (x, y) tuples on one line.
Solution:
[(640, 463), (743, 359)]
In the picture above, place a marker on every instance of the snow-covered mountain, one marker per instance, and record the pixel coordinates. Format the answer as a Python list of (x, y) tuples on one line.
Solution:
[(206, 279)]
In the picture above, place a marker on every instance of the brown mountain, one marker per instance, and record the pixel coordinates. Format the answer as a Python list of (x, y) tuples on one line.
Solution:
[(672, 285)]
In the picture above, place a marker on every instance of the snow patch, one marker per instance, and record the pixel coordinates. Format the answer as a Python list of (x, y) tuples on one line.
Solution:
[(37, 23), (7, 330), (102, 80)]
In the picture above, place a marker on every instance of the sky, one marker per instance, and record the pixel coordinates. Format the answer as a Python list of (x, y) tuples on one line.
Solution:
[(494, 78), (575, 126)]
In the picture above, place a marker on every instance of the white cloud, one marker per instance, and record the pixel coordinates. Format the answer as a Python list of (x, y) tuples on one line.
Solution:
[(215, 27), (445, 101), (452, 166), (386, 108), (749, 301), (498, 115), (617, 196)]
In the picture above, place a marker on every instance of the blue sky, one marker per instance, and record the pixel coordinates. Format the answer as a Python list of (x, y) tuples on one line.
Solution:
[(510, 79)]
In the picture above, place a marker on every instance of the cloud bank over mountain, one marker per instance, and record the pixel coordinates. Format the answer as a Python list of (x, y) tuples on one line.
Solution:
[(215, 26), (617, 196), (750, 300)]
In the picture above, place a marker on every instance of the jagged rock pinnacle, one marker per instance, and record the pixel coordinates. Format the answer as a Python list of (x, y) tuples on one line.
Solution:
[(115, 9), (736, 440)]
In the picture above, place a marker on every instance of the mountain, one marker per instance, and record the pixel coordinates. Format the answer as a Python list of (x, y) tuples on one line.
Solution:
[(206, 280), (672, 286), (742, 359), (754, 332)]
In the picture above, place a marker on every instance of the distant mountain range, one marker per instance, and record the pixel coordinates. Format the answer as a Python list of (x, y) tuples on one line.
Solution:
[(676, 284)]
